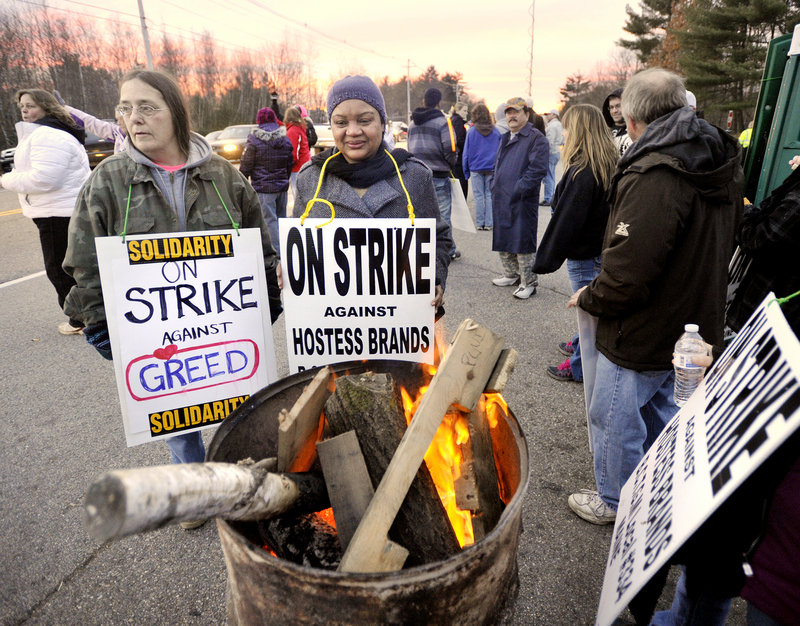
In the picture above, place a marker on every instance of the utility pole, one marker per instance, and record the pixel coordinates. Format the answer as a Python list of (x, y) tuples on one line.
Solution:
[(408, 92), (145, 37), (530, 63)]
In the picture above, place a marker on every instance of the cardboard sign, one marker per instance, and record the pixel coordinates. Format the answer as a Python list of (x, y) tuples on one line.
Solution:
[(190, 327), (358, 289), (746, 407)]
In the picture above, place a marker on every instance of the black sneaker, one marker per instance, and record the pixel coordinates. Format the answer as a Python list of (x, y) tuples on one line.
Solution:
[(454, 256), (565, 348), (561, 372)]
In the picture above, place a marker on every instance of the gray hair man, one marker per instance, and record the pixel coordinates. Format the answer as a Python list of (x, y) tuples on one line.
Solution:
[(676, 199)]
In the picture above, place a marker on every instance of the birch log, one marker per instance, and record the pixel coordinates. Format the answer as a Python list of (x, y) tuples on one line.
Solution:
[(124, 502)]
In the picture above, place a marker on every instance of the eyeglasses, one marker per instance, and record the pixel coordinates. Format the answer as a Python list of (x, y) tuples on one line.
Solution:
[(145, 110)]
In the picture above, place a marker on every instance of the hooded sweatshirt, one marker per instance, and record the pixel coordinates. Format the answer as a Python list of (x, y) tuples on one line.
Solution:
[(676, 201), (429, 140), (617, 131)]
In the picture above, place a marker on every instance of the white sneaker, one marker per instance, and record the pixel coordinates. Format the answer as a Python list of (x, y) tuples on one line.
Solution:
[(588, 505), (505, 281), (523, 293)]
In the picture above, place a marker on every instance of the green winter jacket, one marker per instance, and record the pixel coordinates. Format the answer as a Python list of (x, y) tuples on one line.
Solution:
[(101, 210)]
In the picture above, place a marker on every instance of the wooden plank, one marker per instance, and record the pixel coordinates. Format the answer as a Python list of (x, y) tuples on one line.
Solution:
[(460, 379), (502, 371), (368, 404), (489, 506), (124, 502), (300, 428), (350, 490)]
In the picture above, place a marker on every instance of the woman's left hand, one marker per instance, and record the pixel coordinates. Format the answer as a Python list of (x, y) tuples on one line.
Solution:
[(439, 299), (279, 275)]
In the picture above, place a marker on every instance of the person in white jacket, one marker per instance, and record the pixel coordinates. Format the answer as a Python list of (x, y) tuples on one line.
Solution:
[(50, 167)]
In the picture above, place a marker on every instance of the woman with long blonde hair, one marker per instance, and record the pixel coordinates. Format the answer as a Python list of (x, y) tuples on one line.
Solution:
[(580, 213)]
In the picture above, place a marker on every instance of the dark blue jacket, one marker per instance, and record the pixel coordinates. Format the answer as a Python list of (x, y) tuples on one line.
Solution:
[(518, 172), (267, 159)]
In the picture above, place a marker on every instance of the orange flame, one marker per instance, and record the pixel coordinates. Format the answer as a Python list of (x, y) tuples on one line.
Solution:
[(443, 459)]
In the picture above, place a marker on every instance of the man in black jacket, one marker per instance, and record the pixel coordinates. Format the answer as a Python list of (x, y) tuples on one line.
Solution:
[(676, 200)]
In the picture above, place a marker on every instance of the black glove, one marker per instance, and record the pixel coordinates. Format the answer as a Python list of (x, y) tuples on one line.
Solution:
[(97, 336)]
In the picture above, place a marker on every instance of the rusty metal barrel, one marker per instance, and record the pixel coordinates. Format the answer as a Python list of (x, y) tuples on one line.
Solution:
[(479, 585)]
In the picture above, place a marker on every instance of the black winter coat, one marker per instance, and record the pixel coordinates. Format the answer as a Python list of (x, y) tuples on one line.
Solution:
[(676, 202), (267, 159)]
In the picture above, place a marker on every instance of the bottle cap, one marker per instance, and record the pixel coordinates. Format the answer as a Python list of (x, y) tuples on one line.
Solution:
[(691, 328)]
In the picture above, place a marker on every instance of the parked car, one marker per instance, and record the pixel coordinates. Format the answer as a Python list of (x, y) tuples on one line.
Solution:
[(230, 142), (213, 135), (97, 149), (324, 138), (7, 159)]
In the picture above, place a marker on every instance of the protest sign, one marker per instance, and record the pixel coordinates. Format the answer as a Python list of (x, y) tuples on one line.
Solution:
[(190, 327), (746, 407), (358, 289)]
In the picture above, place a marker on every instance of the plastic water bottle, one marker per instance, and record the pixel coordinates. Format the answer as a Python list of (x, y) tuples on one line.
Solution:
[(687, 374)]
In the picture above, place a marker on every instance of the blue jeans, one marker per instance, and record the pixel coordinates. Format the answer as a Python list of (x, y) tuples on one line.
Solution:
[(627, 412), (550, 177), (442, 187), (273, 206), (482, 192), (706, 609), (581, 272), (187, 448)]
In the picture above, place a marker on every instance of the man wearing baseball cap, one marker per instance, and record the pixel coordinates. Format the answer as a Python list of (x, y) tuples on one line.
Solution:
[(520, 166)]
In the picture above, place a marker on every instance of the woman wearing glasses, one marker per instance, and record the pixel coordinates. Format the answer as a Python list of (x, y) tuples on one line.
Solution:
[(166, 180), (50, 166)]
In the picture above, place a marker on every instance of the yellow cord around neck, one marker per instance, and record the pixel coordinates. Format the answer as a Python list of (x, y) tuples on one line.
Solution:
[(311, 202)]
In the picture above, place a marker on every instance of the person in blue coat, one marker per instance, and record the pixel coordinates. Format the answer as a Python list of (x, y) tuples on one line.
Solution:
[(521, 164)]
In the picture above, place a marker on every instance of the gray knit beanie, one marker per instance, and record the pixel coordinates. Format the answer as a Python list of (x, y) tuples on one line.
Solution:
[(356, 88)]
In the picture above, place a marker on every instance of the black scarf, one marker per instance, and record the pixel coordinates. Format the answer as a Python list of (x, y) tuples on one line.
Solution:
[(52, 122), (364, 173)]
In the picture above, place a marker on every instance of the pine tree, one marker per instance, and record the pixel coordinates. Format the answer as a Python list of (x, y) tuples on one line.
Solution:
[(723, 49), (647, 27)]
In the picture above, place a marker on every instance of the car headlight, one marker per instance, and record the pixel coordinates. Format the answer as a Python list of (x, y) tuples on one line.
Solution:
[(231, 147)]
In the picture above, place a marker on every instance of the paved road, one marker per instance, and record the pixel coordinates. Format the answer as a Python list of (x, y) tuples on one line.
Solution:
[(61, 427)]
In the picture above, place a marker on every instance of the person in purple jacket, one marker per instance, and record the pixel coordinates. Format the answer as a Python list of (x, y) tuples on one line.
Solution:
[(267, 161)]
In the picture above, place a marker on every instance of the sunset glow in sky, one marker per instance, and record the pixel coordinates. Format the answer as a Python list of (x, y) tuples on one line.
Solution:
[(487, 41)]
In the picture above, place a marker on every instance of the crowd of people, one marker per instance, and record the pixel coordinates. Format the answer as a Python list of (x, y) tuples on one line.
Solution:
[(646, 216)]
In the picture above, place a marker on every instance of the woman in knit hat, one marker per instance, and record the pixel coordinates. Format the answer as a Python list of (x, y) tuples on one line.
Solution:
[(365, 179), (267, 161)]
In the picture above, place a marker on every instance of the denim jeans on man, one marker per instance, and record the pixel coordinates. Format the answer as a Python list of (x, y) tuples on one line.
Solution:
[(627, 411), (550, 177), (581, 272), (273, 206), (482, 192), (442, 186)]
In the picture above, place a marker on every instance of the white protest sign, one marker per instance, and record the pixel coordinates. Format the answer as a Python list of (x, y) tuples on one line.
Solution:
[(190, 327), (358, 289), (744, 409)]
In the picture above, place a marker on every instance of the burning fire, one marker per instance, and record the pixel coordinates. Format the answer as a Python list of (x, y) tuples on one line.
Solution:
[(444, 457)]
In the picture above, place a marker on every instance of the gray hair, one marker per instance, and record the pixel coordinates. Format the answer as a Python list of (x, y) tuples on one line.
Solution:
[(651, 94)]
